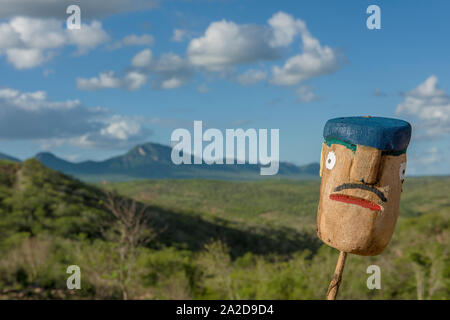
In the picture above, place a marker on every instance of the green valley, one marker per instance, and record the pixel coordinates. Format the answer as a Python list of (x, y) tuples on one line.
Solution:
[(203, 239)]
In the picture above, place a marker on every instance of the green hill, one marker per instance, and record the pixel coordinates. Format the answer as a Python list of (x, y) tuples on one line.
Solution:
[(202, 239)]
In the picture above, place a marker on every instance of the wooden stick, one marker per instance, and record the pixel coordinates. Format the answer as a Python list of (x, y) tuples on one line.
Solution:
[(337, 277)]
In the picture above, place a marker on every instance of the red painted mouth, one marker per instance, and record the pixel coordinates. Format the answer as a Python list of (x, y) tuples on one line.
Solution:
[(360, 202)]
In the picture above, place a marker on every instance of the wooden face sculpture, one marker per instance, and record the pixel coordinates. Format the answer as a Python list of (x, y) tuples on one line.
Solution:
[(362, 168)]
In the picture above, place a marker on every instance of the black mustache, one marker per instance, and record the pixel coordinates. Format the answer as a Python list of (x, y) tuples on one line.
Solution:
[(363, 187)]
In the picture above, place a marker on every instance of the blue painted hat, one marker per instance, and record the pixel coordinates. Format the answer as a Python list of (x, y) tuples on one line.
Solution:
[(385, 134)]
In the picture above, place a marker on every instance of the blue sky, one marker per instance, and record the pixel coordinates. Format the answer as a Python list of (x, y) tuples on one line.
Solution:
[(137, 70)]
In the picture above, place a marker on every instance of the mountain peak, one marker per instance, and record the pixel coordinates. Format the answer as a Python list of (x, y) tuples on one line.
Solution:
[(49, 160), (151, 148), (45, 155), (153, 152)]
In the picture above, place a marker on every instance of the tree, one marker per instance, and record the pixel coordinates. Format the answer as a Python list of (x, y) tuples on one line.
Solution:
[(128, 230)]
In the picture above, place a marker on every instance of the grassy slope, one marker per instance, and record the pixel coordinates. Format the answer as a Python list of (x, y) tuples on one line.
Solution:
[(424, 195), (281, 203)]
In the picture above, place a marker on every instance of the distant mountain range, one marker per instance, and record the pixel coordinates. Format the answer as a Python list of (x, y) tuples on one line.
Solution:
[(153, 161), (6, 157)]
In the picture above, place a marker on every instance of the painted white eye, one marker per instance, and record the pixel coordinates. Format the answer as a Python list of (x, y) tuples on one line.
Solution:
[(331, 160), (402, 171)]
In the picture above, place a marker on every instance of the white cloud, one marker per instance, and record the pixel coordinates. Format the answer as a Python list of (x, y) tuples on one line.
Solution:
[(25, 41), (25, 58), (170, 62), (226, 44), (169, 71), (306, 94), (108, 80), (57, 8), (121, 128), (118, 132), (285, 28), (315, 60), (105, 80), (9, 38), (143, 59), (88, 36), (34, 101), (29, 42), (171, 83), (179, 35), (429, 107), (135, 80), (38, 33), (32, 115), (134, 40), (251, 76)]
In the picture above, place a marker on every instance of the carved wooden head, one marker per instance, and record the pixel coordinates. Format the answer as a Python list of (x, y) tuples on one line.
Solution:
[(362, 167)]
